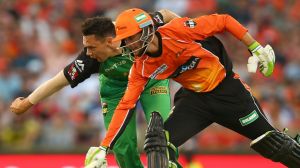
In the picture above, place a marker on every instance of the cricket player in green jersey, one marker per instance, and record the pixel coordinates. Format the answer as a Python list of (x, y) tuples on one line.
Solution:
[(101, 55)]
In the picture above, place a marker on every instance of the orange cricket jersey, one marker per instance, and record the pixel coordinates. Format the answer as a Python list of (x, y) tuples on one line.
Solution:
[(179, 58)]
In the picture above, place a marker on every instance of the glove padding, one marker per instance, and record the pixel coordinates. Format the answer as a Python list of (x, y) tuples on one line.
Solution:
[(264, 57), (20, 105), (96, 158)]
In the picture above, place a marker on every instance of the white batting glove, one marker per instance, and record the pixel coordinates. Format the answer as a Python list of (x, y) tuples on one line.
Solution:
[(264, 57), (96, 157)]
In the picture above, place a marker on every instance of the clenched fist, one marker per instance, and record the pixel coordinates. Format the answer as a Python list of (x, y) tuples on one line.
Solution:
[(20, 105)]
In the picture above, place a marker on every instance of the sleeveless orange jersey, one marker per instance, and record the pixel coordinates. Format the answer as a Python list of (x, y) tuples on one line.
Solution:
[(181, 59)]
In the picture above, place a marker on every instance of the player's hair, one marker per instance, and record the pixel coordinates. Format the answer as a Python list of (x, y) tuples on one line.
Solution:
[(99, 26)]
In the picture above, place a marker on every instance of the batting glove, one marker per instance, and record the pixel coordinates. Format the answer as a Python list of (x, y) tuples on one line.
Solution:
[(264, 57), (96, 157)]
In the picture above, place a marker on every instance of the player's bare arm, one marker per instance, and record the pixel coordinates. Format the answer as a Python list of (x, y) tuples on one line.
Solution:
[(53, 85), (21, 104), (168, 15)]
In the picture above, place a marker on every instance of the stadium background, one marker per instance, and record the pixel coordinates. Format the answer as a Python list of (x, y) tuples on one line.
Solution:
[(39, 37)]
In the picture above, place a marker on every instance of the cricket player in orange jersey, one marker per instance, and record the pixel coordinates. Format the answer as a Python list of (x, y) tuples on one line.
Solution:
[(211, 92)]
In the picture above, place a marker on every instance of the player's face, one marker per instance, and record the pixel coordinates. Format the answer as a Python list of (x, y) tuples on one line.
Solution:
[(135, 44), (96, 47)]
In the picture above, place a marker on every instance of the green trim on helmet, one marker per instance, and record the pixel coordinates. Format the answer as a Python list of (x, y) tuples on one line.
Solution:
[(140, 17), (143, 25)]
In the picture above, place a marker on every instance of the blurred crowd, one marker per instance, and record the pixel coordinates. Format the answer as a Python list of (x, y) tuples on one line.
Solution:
[(39, 37)]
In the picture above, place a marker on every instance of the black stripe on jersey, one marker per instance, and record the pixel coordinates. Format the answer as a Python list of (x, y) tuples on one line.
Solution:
[(120, 132), (215, 46), (192, 63)]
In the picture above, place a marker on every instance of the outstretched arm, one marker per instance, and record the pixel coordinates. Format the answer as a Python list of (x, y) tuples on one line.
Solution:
[(208, 25), (21, 104), (96, 156), (162, 17), (76, 72), (123, 112), (168, 15), (48, 88)]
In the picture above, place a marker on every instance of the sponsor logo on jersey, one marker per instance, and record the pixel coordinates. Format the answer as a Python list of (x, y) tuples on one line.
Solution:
[(190, 23), (115, 66), (159, 70), (190, 64), (249, 118), (79, 64), (73, 72), (158, 90)]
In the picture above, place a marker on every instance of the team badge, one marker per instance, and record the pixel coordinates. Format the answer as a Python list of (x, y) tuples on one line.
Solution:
[(190, 23)]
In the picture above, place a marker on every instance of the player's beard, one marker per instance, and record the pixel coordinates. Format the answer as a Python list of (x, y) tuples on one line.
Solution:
[(142, 51), (145, 45)]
